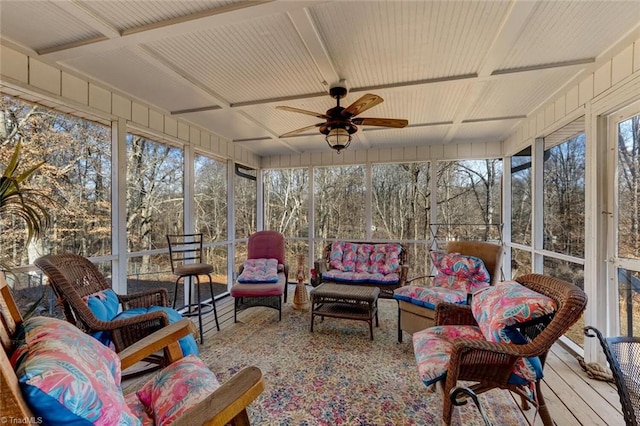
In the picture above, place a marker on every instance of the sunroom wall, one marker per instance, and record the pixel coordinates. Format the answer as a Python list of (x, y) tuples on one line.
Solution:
[(612, 83)]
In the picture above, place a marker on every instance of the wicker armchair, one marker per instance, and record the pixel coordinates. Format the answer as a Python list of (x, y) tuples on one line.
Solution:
[(623, 356), (74, 278), (489, 365), (225, 405)]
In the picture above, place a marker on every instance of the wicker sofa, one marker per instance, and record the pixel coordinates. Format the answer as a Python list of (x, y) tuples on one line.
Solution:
[(382, 265)]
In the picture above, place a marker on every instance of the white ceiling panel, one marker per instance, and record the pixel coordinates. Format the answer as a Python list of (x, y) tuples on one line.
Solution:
[(132, 73), (458, 71), (376, 43), (497, 99), (132, 14), (263, 59), (489, 131), (560, 31), (42, 25)]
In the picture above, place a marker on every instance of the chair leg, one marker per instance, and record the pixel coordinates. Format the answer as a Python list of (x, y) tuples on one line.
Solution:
[(199, 307), (236, 302), (213, 304), (175, 292), (399, 319), (545, 416)]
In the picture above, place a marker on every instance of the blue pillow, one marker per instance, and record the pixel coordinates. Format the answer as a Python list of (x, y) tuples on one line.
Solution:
[(187, 344), (104, 305)]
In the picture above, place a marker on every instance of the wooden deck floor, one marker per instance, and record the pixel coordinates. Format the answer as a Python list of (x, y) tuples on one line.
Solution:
[(573, 398)]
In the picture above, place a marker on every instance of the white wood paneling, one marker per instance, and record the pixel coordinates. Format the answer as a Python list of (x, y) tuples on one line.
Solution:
[(44, 76), (140, 114), (171, 126), (75, 88), (602, 79), (586, 90), (183, 131), (121, 106), (99, 98), (156, 120), (14, 65), (622, 65), (572, 99)]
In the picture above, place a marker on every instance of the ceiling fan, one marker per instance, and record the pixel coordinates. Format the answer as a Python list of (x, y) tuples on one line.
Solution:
[(340, 123)]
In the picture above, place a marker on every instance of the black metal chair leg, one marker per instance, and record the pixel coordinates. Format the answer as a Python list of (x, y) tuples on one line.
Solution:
[(213, 304)]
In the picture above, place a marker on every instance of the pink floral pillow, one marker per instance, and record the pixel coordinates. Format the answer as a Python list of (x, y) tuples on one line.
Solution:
[(457, 271), (385, 259), (433, 348), (362, 257), (349, 255), (335, 257), (177, 388), (499, 308), (67, 376)]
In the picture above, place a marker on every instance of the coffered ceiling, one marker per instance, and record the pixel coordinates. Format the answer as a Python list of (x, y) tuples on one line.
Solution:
[(458, 71)]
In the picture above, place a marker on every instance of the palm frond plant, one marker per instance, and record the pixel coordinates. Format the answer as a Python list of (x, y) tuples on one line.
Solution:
[(28, 204)]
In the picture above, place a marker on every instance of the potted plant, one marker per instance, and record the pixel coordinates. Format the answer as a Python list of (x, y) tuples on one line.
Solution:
[(28, 204)]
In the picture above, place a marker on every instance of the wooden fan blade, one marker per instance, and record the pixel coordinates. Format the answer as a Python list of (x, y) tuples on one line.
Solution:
[(295, 132), (364, 103), (383, 122), (302, 111)]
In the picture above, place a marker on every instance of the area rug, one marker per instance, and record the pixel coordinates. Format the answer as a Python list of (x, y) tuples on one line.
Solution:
[(337, 375)]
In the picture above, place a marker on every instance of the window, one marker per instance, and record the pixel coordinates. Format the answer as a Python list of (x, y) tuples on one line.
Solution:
[(469, 200), (339, 202), (77, 179), (521, 198), (246, 208), (563, 196), (210, 198), (286, 204)]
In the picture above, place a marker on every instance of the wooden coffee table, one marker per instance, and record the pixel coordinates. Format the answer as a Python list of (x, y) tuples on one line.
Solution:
[(346, 302)]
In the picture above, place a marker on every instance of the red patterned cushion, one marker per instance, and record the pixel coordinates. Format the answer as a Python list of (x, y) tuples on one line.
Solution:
[(433, 348), (498, 308), (177, 388), (457, 271)]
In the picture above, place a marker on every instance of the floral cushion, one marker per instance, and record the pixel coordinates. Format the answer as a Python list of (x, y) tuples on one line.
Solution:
[(68, 377), (360, 277), (259, 271), (177, 388), (335, 257), (429, 297), (385, 258), (363, 256), (500, 308), (138, 409), (457, 271), (349, 256), (433, 348)]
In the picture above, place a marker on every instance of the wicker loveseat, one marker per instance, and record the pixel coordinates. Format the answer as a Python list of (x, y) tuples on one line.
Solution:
[(382, 265)]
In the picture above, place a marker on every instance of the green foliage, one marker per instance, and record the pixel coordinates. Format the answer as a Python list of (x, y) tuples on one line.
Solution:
[(28, 204)]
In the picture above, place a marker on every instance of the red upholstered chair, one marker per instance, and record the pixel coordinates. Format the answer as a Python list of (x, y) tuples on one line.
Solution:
[(262, 245)]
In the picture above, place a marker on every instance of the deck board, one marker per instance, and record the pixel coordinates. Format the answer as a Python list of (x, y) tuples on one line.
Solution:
[(572, 397)]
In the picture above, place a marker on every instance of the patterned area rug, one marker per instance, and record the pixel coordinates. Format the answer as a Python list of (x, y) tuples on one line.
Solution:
[(337, 375)]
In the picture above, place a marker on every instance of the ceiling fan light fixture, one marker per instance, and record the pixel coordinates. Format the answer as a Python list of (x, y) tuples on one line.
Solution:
[(338, 138)]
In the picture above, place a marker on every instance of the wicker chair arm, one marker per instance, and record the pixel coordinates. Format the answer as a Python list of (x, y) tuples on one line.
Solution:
[(144, 299), (227, 404), (148, 320), (452, 314), (165, 338), (422, 277), (404, 273), (500, 349)]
